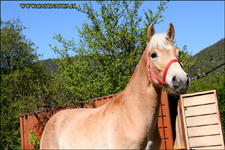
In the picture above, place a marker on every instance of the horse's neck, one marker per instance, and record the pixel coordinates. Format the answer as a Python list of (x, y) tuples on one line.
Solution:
[(141, 97)]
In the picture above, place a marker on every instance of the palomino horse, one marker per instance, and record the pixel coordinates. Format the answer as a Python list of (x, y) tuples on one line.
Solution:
[(130, 120)]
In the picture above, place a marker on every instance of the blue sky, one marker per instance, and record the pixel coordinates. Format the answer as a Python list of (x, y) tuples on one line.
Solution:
[(198, 24)]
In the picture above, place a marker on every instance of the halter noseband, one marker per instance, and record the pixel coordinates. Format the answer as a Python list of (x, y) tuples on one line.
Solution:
[(151, 72)]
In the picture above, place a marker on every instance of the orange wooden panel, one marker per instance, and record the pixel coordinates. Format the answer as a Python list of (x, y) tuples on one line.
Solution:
[(160, 122), (22, 133), (169, 144), (167, 122), (164, 122), (161, 132), (167, 133), (160, 112), (163, 145)]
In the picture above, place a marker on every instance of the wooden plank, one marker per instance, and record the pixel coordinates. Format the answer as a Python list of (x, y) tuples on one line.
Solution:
[(200, 110), (164, 98), (96, 103), (211, 147), (199, 100), (167, 133), (160, 123), (205, 141), (201, 120), (167, 121), (22, 131), (204, 130), (198, 93), (26, 136), (164, 107), (181, 125), (169, 144), (105, 100), (160, 112), (161, 132), (163, 145)]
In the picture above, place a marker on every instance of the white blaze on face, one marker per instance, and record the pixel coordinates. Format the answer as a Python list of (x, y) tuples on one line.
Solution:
[(176, 77), (169, 47)]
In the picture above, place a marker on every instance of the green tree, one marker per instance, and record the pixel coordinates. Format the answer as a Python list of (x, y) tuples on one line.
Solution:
[(109, 49), (184, 58), (21, 76)]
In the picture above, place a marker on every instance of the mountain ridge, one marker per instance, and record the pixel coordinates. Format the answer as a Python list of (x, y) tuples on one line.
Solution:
[(208, 58)]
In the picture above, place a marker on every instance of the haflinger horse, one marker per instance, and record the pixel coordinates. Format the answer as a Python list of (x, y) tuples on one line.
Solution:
[(130, 120)]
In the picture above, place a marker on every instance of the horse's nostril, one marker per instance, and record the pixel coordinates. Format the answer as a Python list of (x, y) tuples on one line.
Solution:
[(174, 78), (175, 83), (175, 86), (188, 79)]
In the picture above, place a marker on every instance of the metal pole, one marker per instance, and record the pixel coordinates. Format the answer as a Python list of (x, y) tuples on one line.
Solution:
[(205, 73)]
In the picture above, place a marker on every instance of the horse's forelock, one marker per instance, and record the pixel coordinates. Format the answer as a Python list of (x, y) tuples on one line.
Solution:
[(158, 41)]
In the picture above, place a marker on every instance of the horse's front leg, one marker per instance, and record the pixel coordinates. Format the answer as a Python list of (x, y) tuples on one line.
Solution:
[(154, 140)]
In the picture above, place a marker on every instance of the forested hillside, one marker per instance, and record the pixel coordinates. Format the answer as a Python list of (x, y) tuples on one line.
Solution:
[(49, 66), (208, 58)]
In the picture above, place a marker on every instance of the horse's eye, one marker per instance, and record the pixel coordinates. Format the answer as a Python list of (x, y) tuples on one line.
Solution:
[(179, 53), (153, 55)]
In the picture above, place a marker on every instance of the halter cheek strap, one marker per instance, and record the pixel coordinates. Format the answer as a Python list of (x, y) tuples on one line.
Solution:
[(151, 72)]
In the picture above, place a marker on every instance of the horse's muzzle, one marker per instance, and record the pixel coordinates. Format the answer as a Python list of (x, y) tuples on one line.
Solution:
[(180, 86)]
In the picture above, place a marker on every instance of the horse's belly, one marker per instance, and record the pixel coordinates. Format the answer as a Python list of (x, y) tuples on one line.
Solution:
[(79, 142), (97, 138)]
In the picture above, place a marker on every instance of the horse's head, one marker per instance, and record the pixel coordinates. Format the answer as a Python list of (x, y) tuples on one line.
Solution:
[(164, 66)]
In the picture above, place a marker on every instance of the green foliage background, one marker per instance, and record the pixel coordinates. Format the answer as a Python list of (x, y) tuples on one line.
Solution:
[(19, 78), (24, 83), (109, 49)]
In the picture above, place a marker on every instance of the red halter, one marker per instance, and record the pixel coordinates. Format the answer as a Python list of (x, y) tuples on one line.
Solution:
[(151, 72)]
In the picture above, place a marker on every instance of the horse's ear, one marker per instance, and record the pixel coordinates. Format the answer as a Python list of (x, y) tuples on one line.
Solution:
[(151, 32), (171, 32)]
